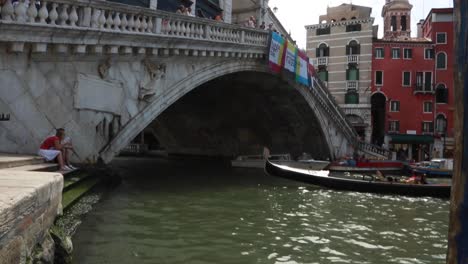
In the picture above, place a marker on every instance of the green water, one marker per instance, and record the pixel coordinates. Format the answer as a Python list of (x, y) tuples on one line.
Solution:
[(205, 212)]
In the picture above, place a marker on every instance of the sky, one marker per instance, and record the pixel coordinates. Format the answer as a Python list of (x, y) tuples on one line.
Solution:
[(295, 14)]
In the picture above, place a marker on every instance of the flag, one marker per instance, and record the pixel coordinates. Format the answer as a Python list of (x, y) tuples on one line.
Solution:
[(302, 68), (290, 57), (276, 52), (312, 73)]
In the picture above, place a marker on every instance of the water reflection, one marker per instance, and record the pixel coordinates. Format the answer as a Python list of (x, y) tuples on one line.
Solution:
[(197, 212)]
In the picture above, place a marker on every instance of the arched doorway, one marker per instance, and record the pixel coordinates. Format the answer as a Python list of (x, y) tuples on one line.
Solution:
[(378, 102)]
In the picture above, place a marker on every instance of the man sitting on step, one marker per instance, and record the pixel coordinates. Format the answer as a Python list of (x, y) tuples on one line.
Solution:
[(53, 148)]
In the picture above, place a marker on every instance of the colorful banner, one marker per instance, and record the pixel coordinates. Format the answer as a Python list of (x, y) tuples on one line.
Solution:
[(276, 52), (312, 74), (302, 68), (290, 57)]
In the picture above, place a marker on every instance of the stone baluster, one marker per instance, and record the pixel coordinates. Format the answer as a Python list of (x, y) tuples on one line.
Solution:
[(202, 30), (43, 13), (150, 25), (102, 19), (191, 30), (109, 20), (32, 13), (131, 23), (178, 28), (64, 15), (117, 21), (137, 24), (144, 24), (20, 12), (8, 11), (53, 15), (73, 16), (183, 31), (95, 18), (124, 22)]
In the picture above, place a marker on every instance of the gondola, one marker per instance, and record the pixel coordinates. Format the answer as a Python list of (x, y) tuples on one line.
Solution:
[(366, 184)]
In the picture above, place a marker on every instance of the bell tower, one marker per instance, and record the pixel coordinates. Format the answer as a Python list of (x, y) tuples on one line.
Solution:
[(397, 19)]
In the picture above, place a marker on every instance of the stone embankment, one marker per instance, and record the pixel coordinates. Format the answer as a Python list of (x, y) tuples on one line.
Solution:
[(29, 204), (32, 195)]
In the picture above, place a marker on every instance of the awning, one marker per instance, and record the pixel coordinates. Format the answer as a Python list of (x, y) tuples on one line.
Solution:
[(411, 139)]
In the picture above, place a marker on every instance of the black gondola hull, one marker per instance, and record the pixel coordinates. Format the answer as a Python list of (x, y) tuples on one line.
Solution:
[(417, 190)]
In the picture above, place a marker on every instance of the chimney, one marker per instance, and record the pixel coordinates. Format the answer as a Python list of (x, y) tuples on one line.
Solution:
[(420, 28)]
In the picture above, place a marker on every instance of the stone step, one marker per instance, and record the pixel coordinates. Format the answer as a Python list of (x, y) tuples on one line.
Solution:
[(14, 160), (81, 188), (72, 180), (46, 167)]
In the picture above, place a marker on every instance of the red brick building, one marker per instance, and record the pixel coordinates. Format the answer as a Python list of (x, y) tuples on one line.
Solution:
[(412, 83)]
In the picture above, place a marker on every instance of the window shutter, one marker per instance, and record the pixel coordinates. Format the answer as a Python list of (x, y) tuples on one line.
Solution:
[(397, 125), (326, 76), (347, 74), (358, 49), (317, 53), (357, 74), (347, 49)]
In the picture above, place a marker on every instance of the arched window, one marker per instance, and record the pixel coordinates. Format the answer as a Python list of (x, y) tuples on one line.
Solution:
[(323, 51), (441, 124), (353, 18), (441, 94), (441, 61), (353, 48), (343, 19)]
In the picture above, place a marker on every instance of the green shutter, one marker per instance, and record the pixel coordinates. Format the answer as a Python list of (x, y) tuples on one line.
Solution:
[(357, 74), (347, 74)]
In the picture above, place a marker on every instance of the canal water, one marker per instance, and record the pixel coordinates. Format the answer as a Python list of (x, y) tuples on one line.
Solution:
[(198, 211)]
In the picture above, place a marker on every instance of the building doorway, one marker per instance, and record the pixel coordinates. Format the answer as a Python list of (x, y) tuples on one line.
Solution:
[(378, 104)]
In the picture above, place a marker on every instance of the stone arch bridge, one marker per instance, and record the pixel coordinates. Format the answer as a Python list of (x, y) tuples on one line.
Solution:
[(106, 71)]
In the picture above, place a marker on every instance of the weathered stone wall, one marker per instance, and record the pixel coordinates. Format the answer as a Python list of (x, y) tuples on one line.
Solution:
[(29, 203), (91, 96)]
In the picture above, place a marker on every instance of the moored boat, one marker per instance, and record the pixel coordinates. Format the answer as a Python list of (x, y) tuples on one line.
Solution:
[(366, 184), (257, 161), (434, 168), (367, 166)]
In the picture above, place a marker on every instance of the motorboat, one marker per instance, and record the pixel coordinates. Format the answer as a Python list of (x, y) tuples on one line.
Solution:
[(434, 168)]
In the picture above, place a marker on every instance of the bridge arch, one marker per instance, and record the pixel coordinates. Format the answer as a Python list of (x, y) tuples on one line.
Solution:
[(181, 88)]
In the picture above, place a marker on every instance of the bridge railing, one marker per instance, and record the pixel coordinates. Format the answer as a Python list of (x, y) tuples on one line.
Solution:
[(335, 112), (113, 17), (374, 149)]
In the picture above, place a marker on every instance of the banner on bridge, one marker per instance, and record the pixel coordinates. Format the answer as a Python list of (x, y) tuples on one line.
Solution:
[(290, 57), (276, 52), (302, 68), (286, 57)]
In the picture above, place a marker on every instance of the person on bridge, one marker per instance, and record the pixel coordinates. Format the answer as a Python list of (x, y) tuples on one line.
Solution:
[(53, 148)]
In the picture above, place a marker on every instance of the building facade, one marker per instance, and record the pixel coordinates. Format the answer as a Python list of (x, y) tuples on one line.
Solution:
[(412, 80), (341, 48)]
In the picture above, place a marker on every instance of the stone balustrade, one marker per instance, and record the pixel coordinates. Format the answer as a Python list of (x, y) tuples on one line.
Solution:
[(94, 16)]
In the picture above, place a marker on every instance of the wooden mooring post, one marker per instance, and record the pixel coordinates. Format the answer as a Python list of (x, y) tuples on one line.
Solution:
[(458, 228)]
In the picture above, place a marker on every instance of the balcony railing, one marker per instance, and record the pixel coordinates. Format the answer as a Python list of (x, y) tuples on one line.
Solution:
[(96, 15), (423, 88), (321, 61), (352, 85), (353, 59)]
